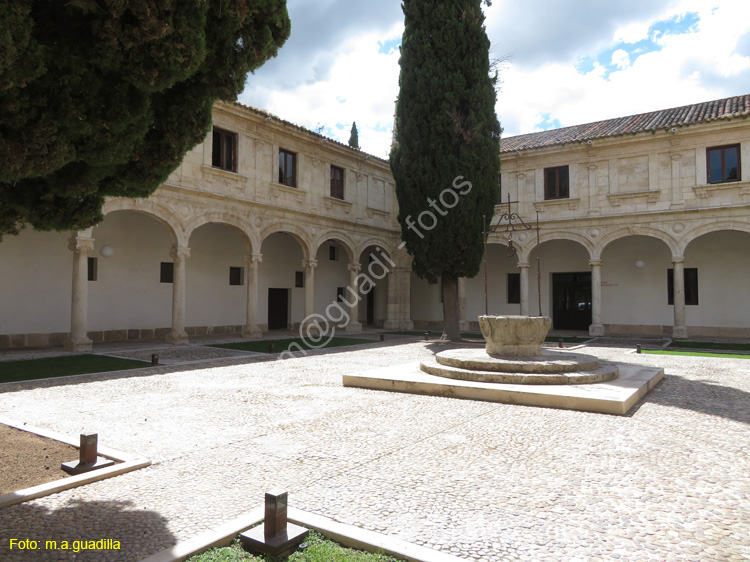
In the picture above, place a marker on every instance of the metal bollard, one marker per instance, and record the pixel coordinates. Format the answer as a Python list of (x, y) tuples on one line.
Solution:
[(559, 343), (271, 348), (638, 348), (154, 359)]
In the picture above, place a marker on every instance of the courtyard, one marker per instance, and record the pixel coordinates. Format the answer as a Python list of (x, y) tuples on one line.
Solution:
[(482, 481)]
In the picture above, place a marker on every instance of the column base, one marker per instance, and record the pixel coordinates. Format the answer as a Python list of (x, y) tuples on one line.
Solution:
[(354, 327), (596, 330), (398, 325), (78, 344), (177, 337), (463, 326), (679, 332), (251, 332)]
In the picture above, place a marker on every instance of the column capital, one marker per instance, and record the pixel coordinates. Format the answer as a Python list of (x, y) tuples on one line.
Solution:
[(81, 244), (675, 156), (592, 166), (253, 258), (523, 264), (180, 252), (355, 267), (311, 264), (595, 263), (678, 259)]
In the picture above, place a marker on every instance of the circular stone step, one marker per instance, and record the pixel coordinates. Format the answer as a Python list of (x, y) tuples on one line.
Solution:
[(547, 363), (600, 374)]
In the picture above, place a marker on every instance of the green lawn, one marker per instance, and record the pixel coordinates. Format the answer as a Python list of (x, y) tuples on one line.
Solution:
[(319, 549), (280, 345), (695, 354), (50, 367), (726, 346), (478, 336)]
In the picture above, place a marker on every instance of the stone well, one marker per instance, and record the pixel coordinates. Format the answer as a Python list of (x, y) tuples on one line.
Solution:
[(514, 336)]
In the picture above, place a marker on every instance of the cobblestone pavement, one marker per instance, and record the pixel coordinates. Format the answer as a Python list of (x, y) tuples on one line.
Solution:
[(484, 481)]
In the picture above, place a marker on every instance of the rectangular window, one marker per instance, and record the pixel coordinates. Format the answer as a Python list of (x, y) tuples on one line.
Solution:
[(514, 288), (340, 294), (236, 275), (499, 190), (299, 279), (287, 168), (167, 272), (723, 163), (337, 182), (333, 254), (93, 264), (224, 154), (691, 286), (556, 183)]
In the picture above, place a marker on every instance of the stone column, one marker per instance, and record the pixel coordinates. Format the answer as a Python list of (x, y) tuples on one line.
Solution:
[(352, 295), (309, 266), (523, 267), (398, 315), (77, 339), (178, 336), (250, 329), (463, 325), (679, 330), (596, 328)]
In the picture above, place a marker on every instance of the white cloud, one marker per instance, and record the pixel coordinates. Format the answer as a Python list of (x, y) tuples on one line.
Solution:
[(332, 72)]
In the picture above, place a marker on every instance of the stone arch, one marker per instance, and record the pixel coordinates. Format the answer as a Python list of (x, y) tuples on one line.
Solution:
[(524, 252), (703, 229), (159, 212), (337, 236), (607, 239), (299, 234), (375, 241), (235, 222)]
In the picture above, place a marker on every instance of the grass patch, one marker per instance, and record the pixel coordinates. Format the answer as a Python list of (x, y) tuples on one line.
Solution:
[(261, 346), (478, 336), (710, 345), (319, 549), (695, 354), (51, 367)]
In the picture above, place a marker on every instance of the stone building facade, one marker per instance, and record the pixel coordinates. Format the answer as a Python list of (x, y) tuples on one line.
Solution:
[(644, 227)]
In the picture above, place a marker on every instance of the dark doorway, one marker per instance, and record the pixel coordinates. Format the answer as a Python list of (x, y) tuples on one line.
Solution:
[(278, 309), (371, 307), (571, 301)]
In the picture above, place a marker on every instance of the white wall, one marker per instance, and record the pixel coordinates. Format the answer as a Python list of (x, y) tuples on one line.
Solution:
[(498, 267), (128, 294), (282, 256), (329, 275), (36, 270), (632, 295), (210, 300), (723, 262)]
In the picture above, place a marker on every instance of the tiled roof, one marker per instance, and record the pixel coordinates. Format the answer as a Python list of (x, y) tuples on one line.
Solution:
[(268, 115), (738, 106)]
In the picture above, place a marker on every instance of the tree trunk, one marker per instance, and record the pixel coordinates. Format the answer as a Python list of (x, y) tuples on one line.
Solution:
[(451, 330)]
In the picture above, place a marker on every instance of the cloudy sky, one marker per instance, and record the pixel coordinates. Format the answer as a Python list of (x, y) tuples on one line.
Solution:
[(566, 62)]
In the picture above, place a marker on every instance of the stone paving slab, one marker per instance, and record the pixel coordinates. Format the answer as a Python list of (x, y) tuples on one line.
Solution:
[(483, 481)]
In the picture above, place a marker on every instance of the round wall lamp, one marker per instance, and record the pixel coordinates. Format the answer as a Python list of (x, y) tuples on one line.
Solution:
[(107, 251), (639, 263)]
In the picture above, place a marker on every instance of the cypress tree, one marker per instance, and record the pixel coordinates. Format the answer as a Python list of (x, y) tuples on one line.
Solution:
[(446, 159), (101, 99), (354, 137)]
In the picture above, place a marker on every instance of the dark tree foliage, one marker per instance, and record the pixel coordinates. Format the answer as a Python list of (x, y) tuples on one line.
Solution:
[(447, 134), (354, 137), (103, 98)]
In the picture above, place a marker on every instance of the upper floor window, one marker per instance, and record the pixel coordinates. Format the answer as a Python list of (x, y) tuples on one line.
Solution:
[(287, 168), (556, 183), (723, 163), (224, 154), (337, 182)]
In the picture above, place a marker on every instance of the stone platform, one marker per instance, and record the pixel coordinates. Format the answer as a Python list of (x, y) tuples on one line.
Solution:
[(616, 396)]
